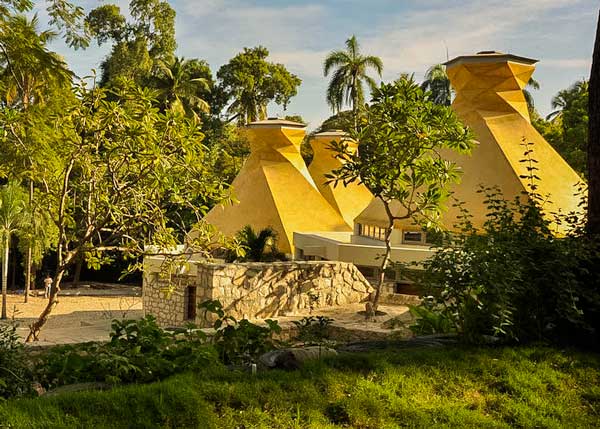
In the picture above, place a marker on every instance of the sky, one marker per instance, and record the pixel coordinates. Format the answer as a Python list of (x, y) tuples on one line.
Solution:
[(409, 36)]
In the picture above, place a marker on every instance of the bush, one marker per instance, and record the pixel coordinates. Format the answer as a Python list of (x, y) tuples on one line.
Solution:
[(516, 279), (240, 342), (139, 351), (314, 330), (15, 376)]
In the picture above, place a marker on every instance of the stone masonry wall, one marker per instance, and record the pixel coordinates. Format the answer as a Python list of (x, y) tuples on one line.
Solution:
[(255, 290)]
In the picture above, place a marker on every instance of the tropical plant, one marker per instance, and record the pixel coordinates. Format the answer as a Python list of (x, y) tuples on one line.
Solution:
[(248, 83), (240, 342), (15, 375), (182, 84), (566, 97), (349, 68), (533, 84), (438, 84), (12, 213), (402, 137), (258, 247)]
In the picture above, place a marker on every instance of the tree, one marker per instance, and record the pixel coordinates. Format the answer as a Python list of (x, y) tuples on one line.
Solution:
[(349, 69), (119, 165), (138, 45), (571, 119), (257, 247), (12, 211), (248, 83), (401, 139), (183, 85), (593, 150), (438, 84)]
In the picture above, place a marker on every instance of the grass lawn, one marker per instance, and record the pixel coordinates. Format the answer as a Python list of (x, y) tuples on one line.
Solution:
[(454, 387)]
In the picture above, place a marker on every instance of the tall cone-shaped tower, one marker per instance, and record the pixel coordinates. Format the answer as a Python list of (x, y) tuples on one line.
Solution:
[(489, 99), (348, 200), (275, 189)]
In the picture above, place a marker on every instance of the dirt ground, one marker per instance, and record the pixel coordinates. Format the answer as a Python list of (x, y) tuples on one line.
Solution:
[(75, 318)]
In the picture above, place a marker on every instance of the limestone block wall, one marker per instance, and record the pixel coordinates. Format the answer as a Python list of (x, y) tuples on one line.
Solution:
[(254, 290)]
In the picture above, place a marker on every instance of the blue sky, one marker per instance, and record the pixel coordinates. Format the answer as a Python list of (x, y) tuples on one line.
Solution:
[(408, 35)]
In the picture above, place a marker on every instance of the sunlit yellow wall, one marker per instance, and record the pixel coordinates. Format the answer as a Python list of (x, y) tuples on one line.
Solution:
[(348, 200), (274, 188)]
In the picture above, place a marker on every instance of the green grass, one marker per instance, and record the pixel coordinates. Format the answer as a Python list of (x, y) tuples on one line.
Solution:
[(455, 387)]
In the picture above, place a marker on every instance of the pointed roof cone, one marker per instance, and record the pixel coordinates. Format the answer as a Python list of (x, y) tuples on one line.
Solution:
[(489, 99), (275, 189), (348, 200)]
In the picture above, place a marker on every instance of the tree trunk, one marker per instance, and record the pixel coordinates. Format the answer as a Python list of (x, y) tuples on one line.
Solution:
[(36, 327), (77, 274), (387, 256), (5, 273), (593, 225), (29, 249), (13, 274)]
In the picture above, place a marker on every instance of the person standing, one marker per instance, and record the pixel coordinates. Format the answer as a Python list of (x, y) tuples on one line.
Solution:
[(47, 286)]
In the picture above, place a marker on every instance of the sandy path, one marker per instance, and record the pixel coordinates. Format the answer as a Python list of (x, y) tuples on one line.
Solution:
[(75, 318)]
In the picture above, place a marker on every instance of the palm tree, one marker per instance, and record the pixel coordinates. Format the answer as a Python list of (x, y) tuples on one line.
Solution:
[(259, 247), (437, 82), (181, 86), (534, 84), (349, 72), (12, 212), (29, 71), (564, 98)]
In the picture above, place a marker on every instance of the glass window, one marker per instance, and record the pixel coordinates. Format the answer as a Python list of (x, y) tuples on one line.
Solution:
[(412, 237)]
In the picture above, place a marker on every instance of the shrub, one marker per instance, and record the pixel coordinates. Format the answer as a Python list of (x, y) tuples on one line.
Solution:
[(313, 329), (516, 279), (139, 351), (240, 342), (15, 377)]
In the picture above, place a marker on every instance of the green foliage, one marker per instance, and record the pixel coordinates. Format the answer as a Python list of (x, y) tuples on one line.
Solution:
[(515, 279), (349, 69), (139, 44), (256, 247), (437, 84), (422, 388), (566, 127), (313, 329), (15, 376), (248, 83), (401, 136), (139, 351), (240, 342), (429, 319)]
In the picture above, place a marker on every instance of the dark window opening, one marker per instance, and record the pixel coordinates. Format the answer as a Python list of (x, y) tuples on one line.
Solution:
[(190, 298)]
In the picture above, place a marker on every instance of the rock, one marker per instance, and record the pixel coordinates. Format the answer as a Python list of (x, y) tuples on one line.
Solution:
[(293, 358)]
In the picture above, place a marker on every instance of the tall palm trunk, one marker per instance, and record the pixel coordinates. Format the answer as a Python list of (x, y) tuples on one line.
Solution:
[(29, 247), (593, 224), (6, 245)]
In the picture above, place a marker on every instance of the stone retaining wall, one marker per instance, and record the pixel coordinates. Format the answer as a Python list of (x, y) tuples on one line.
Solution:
[(253, 290)]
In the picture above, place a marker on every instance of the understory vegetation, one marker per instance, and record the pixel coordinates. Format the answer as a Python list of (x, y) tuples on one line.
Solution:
[(455, 387)]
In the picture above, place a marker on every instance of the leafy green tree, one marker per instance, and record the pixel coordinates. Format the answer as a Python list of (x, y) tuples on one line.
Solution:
[(438, 84), (29, 72), (248, 83), (117, 166), (401, 139), (571, 119), (139, 44), (12, 211), (183, 85), (349, 69)]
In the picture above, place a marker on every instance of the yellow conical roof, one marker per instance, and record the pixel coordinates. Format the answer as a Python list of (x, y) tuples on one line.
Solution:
[(275, 189), (348, 200), (489, 99)]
